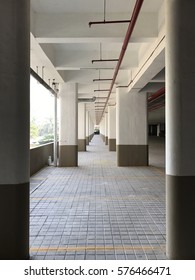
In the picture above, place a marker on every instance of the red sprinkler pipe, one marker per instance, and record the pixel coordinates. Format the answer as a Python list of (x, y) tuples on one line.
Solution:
[(130, 29), (156, 95), (159, 106)]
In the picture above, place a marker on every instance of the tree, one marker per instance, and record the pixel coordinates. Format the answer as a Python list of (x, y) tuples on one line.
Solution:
[(34, 130)]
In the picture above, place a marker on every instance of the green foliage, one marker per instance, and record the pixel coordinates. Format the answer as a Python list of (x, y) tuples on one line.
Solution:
[(46, 139), (46, 127), (41, 133), (34, 130)]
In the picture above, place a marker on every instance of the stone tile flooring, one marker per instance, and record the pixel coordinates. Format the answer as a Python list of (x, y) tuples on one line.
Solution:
[(98, 211)]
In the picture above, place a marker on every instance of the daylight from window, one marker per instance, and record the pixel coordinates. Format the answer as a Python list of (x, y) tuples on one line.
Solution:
[(41, 114)]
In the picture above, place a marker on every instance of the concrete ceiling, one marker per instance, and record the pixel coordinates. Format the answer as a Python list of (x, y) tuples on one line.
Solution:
[(91, 6), (63, 44)]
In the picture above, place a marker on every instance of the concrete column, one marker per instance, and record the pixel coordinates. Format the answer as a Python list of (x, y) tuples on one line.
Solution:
[(87, 127), (102, 129), (68, 134), (81, 127), (180, 132), (14, 125), (106, 128), (91, 127), (131, 128), (158, 129), (112, 128)]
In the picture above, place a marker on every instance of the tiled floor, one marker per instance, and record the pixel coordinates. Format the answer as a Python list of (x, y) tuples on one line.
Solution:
[(98, 210)]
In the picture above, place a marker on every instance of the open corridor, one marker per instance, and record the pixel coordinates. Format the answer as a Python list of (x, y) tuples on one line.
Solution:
[(99, 211)]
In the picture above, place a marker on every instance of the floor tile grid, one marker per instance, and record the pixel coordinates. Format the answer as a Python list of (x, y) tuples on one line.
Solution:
[(80, 206)]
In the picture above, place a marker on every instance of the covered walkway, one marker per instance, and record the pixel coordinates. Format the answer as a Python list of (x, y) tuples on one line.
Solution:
[(98, 210)]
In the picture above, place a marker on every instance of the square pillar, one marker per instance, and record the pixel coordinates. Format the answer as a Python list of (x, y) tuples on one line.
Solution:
[(112, 128), (106, 128), (15, 126), (131, 128), (180, 129), (68, 134), (81, 127)]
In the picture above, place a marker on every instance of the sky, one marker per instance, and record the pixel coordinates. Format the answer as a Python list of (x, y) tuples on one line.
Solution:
[(41, 101)]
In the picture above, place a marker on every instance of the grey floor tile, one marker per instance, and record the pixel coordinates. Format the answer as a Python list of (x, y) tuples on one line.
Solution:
[(99, 205)]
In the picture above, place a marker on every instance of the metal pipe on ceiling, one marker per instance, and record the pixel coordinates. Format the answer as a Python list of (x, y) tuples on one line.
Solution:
[(156, 107), (130, 29), (156, 95), (55, 144), (108, 22), (104, 60), (96, 90), (99, 80), (87, 100), (41, 81)]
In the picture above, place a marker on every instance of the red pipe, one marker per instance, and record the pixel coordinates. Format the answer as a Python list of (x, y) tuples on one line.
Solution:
[(130, 29), (108, 22), (161, 105), (156, 95)]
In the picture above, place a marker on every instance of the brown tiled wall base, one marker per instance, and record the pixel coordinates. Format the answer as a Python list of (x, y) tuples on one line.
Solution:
[(87, 140), (14, 221), (132, 155), (180, 191), (81, 145), (112, 145), (39, 157), (68, 156)]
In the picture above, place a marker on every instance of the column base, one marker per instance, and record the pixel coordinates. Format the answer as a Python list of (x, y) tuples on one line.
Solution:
[(132, 155), (180, 193), (14, 221), (81, 145), (87, 140), (112, 145), (68, 156)]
